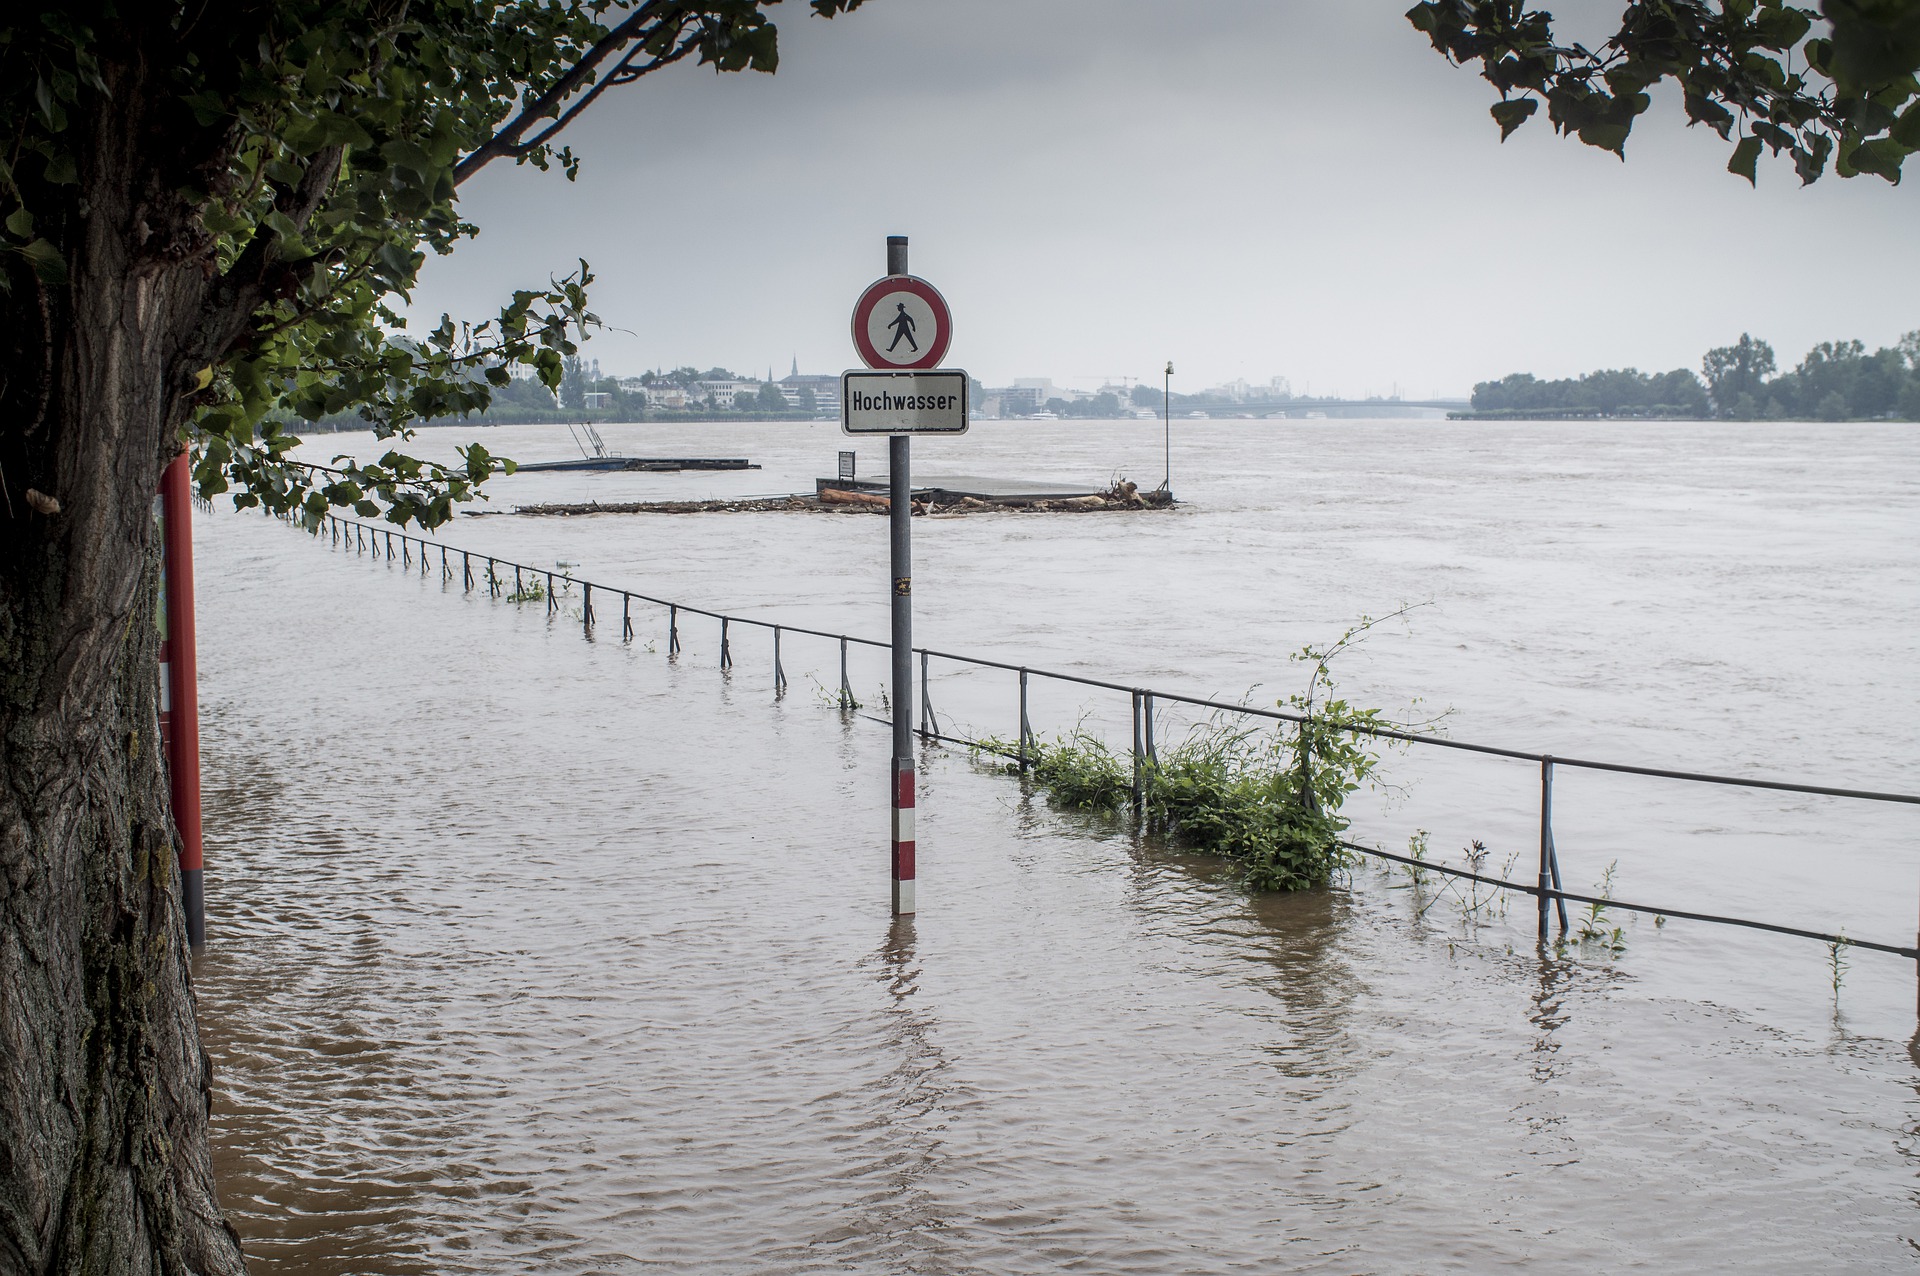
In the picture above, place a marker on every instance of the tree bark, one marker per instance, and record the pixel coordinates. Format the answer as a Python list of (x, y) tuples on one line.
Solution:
[(104, 1086)]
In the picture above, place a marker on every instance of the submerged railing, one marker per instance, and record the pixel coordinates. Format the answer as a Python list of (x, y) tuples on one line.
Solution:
[(1546, 889)]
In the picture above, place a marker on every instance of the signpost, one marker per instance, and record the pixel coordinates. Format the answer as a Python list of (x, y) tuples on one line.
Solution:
[(179, 688), (901, 327)]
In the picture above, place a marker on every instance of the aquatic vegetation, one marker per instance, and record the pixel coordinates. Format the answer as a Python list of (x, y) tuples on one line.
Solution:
[(1268, 797), (1416, 850), (1592, 927), (1836, 960), (1235, 792)]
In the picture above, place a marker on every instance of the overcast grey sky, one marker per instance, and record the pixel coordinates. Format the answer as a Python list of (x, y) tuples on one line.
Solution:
[(1250, 188)]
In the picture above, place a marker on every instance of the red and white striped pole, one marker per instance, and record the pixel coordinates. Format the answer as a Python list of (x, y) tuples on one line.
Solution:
[(900, 544), (180, 689), (903, 868)]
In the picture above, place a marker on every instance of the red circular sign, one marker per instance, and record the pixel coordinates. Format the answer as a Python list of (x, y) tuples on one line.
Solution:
[(902, 322)]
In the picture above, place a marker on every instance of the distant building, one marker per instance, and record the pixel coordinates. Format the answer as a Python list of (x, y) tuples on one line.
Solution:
[(1019, 400), (594, 400), (725, 393), (826, 390)]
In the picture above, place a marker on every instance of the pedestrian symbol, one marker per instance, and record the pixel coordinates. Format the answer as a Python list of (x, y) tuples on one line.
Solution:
[(903, 326), (901, 322)]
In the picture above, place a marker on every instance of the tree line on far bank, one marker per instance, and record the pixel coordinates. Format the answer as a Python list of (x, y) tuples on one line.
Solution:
[(1836, 381)]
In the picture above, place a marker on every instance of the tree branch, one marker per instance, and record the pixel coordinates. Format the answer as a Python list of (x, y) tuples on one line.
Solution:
[(231, 301), (506, 141), (624, 73)]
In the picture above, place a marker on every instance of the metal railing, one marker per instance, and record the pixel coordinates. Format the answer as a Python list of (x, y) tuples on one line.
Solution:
[(1546, 889)]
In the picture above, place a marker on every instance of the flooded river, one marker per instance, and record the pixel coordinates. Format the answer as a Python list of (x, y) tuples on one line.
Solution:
[(529, 953)]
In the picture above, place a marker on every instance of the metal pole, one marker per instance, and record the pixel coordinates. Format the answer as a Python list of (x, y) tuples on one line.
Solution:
[(586, 608), (181, 706), (1026, 731), (1151, 755), (1553, 864), (1166, 415), (1546, 841), (673, 631), (726, 648), (926, 703), (626, 617), (779, 673), (900, 539), (846, 689), (1139, 755)]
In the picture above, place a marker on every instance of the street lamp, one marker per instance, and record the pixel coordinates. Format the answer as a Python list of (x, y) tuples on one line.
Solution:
[(1166, 413)]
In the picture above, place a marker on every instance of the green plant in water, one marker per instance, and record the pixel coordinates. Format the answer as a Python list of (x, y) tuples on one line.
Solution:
[(1267, 798), (531, 591), (1836, 960), (1593, 928), (1417, 850), (833, 697)]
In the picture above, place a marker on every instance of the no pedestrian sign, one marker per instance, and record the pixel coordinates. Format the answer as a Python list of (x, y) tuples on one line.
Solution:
[(902, 322), (904, 402)]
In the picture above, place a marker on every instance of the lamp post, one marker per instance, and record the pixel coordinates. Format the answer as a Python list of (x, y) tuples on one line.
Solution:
[(1166, 414)]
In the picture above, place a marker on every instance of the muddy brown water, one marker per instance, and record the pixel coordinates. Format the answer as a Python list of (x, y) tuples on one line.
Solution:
[(536, 954)]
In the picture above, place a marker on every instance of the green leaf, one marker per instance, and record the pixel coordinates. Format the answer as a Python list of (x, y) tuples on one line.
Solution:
[(46, 261), (20, 222), (1512, 113), (1905, 130), (1745, 157)]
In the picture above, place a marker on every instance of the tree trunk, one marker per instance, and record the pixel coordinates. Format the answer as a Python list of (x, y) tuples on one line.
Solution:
[(104, 1086)]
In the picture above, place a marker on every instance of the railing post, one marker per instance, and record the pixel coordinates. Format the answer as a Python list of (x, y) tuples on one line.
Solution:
[(726, 647), (466, 570), (673, 630), (626, 617), (928, 725), (1026, 728), (1546, 842), (552, 605), (779, 673), (1151, 755), (519, 589), (846, 688), (446, 572), (1139, 756)]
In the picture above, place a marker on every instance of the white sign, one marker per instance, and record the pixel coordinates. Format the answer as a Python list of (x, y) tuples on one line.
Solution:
[(904, 402)]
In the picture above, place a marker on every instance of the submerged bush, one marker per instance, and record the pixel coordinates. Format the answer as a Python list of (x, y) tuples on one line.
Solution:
[(1234, 793), (1080, 772), (1268, 798)]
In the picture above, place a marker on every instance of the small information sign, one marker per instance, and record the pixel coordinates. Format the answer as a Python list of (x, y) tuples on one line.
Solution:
[(931, 402), (846, 466)]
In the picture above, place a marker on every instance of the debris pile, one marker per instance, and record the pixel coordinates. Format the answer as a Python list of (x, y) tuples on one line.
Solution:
[(1123, 495)]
